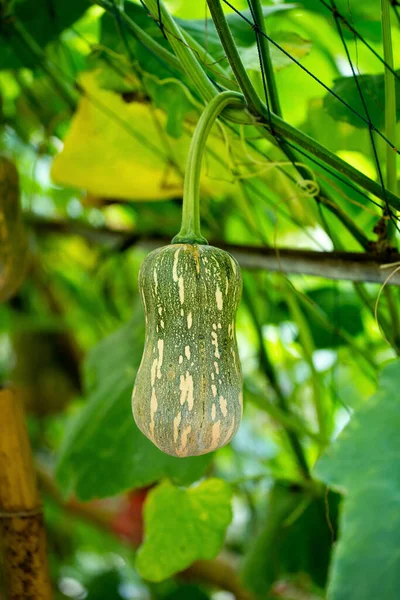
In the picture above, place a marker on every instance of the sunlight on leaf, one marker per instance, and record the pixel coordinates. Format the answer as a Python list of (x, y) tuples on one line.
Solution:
[(195, 529)]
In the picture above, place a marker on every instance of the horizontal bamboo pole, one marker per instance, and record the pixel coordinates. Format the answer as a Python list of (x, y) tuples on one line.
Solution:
[(346, 266), (22, 534)]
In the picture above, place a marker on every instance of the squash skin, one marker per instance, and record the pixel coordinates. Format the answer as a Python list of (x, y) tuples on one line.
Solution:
[(187, 397)]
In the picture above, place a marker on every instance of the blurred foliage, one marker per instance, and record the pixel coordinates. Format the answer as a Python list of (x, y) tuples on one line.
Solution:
[(98, 127)]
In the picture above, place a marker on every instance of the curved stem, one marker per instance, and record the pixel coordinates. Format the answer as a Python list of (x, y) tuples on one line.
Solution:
[(190, 229), (188, 63)]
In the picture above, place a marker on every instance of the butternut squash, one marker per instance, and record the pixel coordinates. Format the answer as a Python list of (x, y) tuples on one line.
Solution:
[(187, 397)]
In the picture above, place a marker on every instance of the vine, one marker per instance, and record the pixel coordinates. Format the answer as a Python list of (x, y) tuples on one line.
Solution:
[(190, 230)]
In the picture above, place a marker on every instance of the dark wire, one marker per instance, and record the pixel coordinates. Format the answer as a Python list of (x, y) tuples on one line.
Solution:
[(388, 210), (395, 4), (327, 88), (268, 100), (335, 12), (160, 21)]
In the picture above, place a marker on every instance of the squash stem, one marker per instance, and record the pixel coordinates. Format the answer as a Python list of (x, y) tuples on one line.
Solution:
[(190, 229)]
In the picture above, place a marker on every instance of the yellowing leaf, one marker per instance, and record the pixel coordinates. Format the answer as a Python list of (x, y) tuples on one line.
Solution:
[(120, 149)]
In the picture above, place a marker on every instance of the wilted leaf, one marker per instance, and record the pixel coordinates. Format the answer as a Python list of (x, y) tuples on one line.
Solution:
[(195, 528), (105, 453), (115, 149), (364, 465)]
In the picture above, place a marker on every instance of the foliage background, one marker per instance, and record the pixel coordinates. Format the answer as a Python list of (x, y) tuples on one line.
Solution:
[(99, 128)]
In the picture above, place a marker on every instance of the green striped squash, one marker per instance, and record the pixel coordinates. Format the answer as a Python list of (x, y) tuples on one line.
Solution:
[(187, 397)]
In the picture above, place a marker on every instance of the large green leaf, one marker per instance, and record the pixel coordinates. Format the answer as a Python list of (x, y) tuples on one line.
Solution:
[(373, 90), (105, 453), (44, 21), (341, 307), (364, 465), (295, 525), (194, 529)]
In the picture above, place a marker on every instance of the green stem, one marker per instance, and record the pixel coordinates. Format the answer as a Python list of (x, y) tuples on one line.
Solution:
[(266, 57), (209, 63), (147, 41), (276, 108), (326, 156), (184, 53), (193, 69), (252, 98), (279, 125), (390, 96), (190, 229), (391, 157)]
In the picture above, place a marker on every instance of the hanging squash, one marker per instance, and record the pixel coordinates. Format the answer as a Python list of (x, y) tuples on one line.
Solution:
[(187, 397), (188, 393)]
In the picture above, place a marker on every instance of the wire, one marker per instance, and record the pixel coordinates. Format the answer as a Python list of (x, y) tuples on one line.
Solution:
[(338, 15), (326, 87), (387, 209)]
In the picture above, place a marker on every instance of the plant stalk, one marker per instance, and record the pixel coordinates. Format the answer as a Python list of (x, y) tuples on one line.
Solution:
[(390, 96), (184, 53), (273, 95), (190, 230), (276, 124), (192, 69)]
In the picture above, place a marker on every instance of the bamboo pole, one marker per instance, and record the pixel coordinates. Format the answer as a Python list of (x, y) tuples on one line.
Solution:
[(14, 258), (22, 533), (347, 266)]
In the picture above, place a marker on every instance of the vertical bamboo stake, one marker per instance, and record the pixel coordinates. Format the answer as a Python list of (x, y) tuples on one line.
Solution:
[(22, 534)]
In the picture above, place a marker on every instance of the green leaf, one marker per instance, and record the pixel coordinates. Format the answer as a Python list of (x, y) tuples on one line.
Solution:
[(174, 98), (340, 306), (294, 526), (105, 453), (373, 89), (364, 465), (291, 42), (195, 528), (44, 21)]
